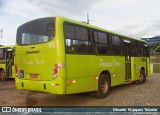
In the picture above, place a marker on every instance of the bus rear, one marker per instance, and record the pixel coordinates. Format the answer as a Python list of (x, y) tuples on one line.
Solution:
[(40, 57)]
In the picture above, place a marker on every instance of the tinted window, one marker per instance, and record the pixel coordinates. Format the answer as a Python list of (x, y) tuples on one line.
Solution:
[(95, 37), (81, 33), (103, 43), (69, 31), (116, 45), (137, 48), (77, 39), (100, 42), (2, 54), (37, 31), (145, 50)]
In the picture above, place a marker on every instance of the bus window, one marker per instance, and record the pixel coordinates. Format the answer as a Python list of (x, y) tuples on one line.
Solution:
[(100, 42), (69, 32), (137, 48), (116, 45), (33, 39), (103, 43), (34, 33), (77, 40), (2, 54), (81, 33), (83, 42), (145, 50)]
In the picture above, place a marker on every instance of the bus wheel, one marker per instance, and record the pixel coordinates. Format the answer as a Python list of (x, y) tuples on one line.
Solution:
[(2, 75), (142, 77), (103, 86)]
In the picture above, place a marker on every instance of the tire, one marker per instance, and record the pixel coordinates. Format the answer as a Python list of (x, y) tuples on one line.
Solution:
[(104, 85), (2, 75), (142, 77)]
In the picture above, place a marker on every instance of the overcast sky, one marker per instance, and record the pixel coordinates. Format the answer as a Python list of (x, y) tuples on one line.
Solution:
[(138, 18)]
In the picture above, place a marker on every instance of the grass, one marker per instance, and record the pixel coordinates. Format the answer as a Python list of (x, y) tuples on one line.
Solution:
[(156, 67)]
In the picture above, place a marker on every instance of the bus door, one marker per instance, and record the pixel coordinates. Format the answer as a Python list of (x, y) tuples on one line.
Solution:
[(127, 50), (9, 57)]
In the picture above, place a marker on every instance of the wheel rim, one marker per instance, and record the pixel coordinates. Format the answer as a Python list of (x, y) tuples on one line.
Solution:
[(105, 87)]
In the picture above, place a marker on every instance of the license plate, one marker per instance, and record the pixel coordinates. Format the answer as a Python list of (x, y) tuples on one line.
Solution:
[(33, 75)]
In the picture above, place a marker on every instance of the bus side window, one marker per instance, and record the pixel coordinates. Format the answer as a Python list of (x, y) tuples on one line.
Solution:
[(137, 48), (116, 45), (103, 43), (77, 39), (100, 45), (95, 44), (2, 54), (69, 33), (145, 50), (133, 49), (82, 37)]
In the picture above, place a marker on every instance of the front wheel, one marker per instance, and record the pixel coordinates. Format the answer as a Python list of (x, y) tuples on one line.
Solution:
[(103, 86)]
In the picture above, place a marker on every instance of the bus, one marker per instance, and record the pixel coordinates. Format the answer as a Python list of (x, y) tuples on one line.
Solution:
[(7, 69), (58, 55)]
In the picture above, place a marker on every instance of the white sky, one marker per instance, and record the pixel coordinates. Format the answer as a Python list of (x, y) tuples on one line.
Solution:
[(138, 18)]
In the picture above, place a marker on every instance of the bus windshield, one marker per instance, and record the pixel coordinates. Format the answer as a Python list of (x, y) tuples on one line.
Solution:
[(36, 31)]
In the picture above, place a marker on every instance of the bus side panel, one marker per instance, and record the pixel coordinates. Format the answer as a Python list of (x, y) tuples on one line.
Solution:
[(82, 73), (81, 65), (136, 64), (118, 76)]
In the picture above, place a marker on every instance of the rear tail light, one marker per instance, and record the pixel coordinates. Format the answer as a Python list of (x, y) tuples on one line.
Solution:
[(56, 66), (55, 70), (16, 70)]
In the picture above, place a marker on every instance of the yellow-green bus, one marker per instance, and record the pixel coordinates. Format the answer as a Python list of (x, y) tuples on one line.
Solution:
[(62, 56), (7, 69)]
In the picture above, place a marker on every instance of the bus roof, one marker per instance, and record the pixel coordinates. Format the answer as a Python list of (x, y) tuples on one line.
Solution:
[(95, 27), (90, 26)]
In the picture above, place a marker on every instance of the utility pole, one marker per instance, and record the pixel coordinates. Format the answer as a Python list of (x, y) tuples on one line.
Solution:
[(88, 18)]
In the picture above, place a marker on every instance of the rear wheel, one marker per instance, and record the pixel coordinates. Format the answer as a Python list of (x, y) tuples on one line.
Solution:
[(103, 86)]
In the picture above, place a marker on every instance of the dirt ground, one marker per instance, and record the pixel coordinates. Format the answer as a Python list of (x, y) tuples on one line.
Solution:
[(147, 94)]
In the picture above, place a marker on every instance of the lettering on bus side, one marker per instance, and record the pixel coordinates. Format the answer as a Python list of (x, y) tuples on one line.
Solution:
[(116, 63), (105, 64), (31, 62), (110, 64)]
